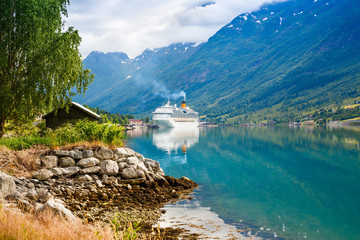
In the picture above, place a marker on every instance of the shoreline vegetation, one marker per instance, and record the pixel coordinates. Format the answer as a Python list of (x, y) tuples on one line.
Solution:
[(340, 116)]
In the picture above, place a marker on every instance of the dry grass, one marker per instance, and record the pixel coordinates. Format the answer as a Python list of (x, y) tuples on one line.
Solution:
[(16, 225), (94, 144), (19, 163)]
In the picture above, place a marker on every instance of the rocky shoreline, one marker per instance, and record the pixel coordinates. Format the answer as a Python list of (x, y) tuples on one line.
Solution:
[(94, 184)]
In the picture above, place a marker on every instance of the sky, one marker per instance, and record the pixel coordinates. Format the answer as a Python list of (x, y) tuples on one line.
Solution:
[(131, 26)]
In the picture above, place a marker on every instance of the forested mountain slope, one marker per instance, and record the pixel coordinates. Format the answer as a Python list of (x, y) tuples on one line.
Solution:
[(282, 59)]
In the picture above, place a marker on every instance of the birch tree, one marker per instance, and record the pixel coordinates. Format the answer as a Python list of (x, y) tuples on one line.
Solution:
[(40, 63)]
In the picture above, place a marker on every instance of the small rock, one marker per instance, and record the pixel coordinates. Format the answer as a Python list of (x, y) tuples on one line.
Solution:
[(30, 185), (139, 156), (13, 196), (22, 189), (43, 195), (186, 183), (88, 153), (43, 174), (76, 154), (90, 170), (99, 184), (159, 179), (25, 205), (121, 159), (69, 171), (38, 206), (148, 177), (130, 151), (132, 161), (104, 196), (7, 185), (141, 166), (38, 163), (161, 172), (121, 152), (32, 195), (66, 162), (59, 209), (134, 181), (128, 173), (140, 174), (109, 167), (88, 162), (103, 153), (62, 153), (84, 178), (57, 171), (110, 180), (174, 194), (49, 161), (94, 176), (122, 165)]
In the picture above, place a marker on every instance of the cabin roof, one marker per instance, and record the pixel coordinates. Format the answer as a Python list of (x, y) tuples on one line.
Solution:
[(82, 108)]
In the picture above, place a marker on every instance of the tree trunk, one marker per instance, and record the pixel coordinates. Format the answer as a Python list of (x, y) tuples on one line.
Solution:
[(2, 125)]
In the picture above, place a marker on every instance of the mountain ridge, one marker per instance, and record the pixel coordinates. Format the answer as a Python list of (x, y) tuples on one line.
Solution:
[(283, 59)]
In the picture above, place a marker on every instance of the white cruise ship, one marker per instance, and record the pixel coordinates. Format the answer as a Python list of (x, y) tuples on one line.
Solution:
[(172, 116)]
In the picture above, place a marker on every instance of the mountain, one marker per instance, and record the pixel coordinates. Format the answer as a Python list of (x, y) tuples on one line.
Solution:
[(130, 85), (280, 60)]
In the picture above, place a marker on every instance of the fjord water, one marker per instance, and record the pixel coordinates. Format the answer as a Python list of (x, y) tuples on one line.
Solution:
[(278, 182)]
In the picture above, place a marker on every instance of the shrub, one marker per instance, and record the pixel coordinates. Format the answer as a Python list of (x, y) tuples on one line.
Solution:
[(85, 130), (81, 131)]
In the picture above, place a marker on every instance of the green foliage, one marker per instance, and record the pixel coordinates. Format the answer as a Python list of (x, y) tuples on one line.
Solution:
[(40, 62), (19, 143), (131, 232), (107, 117), (82, 131), (118, 224), (24, 129), (85, 130)]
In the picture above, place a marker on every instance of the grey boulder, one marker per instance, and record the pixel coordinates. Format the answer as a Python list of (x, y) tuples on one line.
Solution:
[(90, 170), (129, 173), (103, 153), (43, 174), (49, 161), (88, 162), (7, 185), (59, 208), (66, 162), (109, 167)]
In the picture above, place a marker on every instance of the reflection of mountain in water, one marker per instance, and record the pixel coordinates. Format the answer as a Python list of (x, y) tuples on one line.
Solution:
[(172, 139)]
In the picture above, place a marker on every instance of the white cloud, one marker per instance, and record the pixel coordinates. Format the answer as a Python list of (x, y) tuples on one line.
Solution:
[(131, 26)]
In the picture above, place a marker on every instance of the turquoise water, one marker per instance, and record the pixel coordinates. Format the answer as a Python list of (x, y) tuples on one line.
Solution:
[(299, 183)]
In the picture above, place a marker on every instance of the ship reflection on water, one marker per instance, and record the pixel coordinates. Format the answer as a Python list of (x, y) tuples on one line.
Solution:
[(175, 142), (175, 139)]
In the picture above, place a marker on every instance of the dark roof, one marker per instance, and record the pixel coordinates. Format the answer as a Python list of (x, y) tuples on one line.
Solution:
[(82, 108)]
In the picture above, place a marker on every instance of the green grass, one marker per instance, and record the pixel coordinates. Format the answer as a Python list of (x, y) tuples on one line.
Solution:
[(24, 142), (82, 131)]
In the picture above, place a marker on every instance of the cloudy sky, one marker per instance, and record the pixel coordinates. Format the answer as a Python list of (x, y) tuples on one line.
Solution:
[(131, 26)]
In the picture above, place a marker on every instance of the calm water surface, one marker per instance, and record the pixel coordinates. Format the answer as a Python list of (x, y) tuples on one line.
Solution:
[(281, 182)]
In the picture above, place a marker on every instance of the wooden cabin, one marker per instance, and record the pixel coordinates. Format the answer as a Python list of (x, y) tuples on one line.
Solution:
[(76, 112)]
